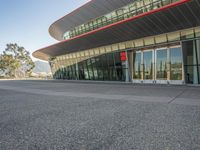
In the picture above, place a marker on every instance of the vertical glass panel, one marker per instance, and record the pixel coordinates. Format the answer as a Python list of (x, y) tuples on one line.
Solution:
[(161, 64), (95, 69), (137, 65), (190, 62), (111, 66), (176, 63), (118, 67), (198, 58), (86, 72), (198, 51), (99, 68), (90, 69), (105, 66), (148, 65), (81, 71)]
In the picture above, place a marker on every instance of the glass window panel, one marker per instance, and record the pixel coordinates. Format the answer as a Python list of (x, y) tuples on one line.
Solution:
[(104, 62), (90, 69), (118, 66), (86, 72), (198, 50), (148, 65), (95, 70), (161, 64), (176, 63), (137, 65), (99, 67)]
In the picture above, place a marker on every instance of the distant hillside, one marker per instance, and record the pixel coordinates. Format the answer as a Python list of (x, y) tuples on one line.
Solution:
[(41, 67)]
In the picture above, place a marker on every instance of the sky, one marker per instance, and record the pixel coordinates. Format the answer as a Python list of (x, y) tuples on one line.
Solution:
[(26, 22)]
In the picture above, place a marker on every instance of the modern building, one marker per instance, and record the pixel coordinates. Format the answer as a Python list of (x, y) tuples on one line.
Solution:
[(139, 41)]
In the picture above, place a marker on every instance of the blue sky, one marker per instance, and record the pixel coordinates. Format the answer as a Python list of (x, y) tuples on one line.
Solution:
[(26, 22)]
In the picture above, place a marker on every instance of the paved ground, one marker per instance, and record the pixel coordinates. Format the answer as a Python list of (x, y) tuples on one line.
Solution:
[(71, 115)]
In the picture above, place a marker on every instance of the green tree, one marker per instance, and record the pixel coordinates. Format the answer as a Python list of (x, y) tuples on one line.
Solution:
[(16, 58)]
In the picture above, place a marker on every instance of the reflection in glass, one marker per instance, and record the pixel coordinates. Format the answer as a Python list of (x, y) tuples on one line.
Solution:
[(104, 67), (161, 64), (148, 65), (189, 61), (132, 9), (137, 65), (176, 63)]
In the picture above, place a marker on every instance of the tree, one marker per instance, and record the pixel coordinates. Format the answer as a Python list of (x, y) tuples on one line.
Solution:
[(16, 59)]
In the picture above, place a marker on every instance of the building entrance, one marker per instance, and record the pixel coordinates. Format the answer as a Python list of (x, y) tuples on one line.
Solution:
[(162, 66)]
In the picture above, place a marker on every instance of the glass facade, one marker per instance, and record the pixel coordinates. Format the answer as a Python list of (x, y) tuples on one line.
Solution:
[(158, 65), (176, 63), (191, 51), (148, 65), (137, 71), (107, 67), (174, 59), (135, 8), (161, 64)]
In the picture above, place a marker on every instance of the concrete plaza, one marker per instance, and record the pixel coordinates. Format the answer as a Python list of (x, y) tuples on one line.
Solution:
[(91, 115)]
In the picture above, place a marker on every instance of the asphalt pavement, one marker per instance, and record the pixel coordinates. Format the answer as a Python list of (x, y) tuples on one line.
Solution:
[(66, 115)]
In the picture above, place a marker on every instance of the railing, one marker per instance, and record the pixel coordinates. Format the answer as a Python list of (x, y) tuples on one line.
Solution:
[(133, 9)]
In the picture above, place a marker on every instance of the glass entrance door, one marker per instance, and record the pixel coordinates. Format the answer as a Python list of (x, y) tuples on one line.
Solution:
[(137, 70), (161, 65), (176, 65), (148, 66)]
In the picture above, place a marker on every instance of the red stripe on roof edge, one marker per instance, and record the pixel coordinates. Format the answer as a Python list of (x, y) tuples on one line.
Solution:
[(120, 22)]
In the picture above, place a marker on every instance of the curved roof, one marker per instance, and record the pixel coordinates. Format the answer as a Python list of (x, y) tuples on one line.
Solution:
[(162, 20), (91, 10)]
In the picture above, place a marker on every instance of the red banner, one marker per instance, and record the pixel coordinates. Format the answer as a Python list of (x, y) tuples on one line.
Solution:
[(123, 56)]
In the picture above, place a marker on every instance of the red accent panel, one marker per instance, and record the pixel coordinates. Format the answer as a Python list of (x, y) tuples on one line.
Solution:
[(123, 56), (123, 21)]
